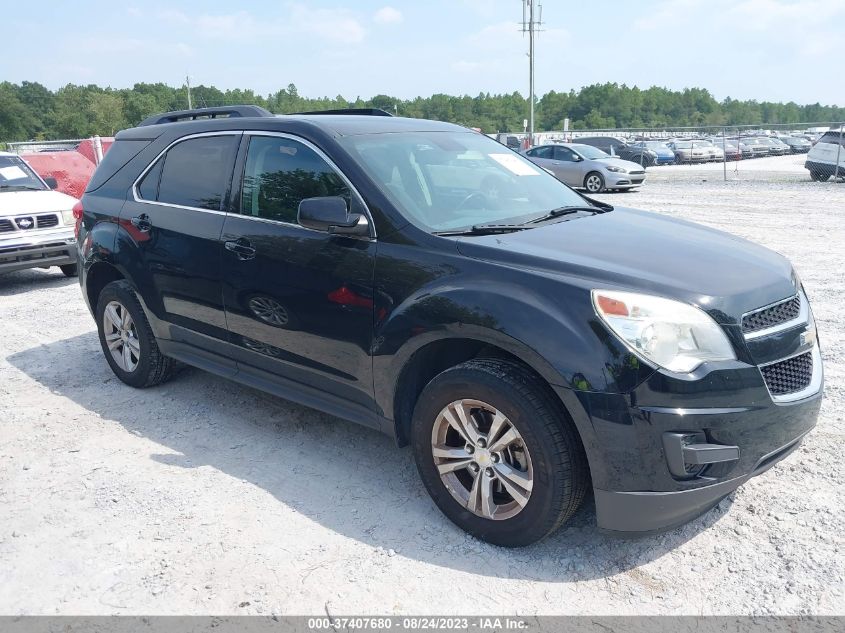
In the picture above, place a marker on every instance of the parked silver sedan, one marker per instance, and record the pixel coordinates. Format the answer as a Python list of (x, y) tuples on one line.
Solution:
[(586, 167)]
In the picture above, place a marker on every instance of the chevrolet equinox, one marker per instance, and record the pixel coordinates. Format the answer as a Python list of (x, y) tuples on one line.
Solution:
[(419, 278)]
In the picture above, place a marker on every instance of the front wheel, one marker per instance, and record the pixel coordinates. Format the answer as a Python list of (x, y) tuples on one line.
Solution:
[(594, 182), (496, 453), (127, 339)]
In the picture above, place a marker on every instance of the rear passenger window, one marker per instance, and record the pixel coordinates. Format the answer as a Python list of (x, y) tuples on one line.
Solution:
[(195, 172), (280, 173), (541, 152)]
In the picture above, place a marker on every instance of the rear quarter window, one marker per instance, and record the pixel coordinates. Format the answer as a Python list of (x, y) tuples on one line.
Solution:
[(120, 153)]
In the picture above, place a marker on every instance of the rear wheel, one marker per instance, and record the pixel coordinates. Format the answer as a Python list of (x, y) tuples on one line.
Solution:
[(127, 339), (496, 454), (594, 182), (819, 176), (69, 270)]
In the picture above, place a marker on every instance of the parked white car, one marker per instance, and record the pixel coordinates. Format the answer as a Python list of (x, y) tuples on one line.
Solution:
[(37, 228), (586, 167), (822, 158)]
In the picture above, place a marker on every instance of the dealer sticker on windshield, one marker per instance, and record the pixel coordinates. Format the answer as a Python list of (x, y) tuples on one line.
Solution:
[(513, 164), (12, 173)]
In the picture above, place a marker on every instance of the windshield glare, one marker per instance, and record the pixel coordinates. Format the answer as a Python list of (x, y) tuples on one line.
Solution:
[(446, 181), (16, 174)]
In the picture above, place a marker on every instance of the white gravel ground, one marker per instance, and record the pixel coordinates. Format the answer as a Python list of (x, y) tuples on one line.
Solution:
[(202, 496)]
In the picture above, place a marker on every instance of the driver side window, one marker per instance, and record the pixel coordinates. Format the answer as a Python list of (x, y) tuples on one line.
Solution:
[(279, 173), (564, 154)]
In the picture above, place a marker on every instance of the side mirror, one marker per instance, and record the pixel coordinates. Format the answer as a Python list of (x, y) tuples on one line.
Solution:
[(51, 182), (329, 213)]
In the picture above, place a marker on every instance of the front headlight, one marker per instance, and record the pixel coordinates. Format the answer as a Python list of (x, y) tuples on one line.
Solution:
[(615, 169), (671, 334), (67, 218)]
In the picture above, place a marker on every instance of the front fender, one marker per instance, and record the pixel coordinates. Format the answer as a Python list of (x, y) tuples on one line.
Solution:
[(549, 326)]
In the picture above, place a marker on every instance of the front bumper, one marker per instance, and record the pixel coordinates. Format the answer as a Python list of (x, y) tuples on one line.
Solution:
[(615, 180), (726, 407), (644, 513), (38, 250)]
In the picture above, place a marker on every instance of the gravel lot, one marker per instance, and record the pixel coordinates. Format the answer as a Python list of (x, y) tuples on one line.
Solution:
[(202, 496)]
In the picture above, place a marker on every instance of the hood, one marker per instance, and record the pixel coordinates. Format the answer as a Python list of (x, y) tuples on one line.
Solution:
[(627, 249), (19, 202), (619, 162)]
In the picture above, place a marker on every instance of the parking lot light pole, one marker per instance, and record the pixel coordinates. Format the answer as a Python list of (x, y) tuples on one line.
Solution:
[(725, 155), (838, 151)]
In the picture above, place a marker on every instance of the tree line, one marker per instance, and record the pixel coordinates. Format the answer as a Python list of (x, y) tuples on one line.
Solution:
[(30, 111)]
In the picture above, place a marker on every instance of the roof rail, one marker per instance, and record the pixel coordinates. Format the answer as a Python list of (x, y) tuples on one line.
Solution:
[(358, 111), (212, 113)]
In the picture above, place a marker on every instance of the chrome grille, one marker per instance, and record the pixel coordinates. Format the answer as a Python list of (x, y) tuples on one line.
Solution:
[(790, 375), (771, 316), (47, 221), (6, 226)]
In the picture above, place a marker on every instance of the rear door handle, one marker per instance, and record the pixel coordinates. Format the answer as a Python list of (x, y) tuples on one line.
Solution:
[(241, 247), (142, 222)]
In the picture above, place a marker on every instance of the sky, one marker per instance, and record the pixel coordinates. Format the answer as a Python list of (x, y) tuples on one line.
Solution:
[(769, 50)]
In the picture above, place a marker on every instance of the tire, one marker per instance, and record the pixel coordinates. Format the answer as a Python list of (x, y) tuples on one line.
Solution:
[(594, 182), (151, 367), (819, 176), (547, 452), (69, 270)]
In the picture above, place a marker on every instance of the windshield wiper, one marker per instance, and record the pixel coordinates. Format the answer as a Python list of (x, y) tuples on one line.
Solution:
[(485, 229), (568, 210), (27, 187)]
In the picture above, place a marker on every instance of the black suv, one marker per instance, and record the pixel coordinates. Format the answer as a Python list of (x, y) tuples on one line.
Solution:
[(620, 147), (419, 278)]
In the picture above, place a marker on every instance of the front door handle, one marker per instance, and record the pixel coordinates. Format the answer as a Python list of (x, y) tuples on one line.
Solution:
[(241, 247), (142, 223)]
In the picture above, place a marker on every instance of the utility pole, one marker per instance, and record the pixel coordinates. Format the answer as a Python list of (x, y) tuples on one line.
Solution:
[(188, 83), (531, 25)]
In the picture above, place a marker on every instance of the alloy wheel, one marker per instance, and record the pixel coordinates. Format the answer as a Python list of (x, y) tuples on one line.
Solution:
[(593, 184), (482, 459), (121, 336)]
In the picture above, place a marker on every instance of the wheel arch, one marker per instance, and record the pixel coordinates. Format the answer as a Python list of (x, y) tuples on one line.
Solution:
[(97, 276), (431, 357)]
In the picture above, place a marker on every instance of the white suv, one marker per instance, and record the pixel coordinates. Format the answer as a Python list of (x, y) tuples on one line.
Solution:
[(36, 223), (822, 158)]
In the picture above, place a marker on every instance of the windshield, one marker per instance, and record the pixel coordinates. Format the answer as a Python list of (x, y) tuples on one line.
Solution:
[(16, 174), (683, 144), (589, 152), (655, 145), (445, 181)]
